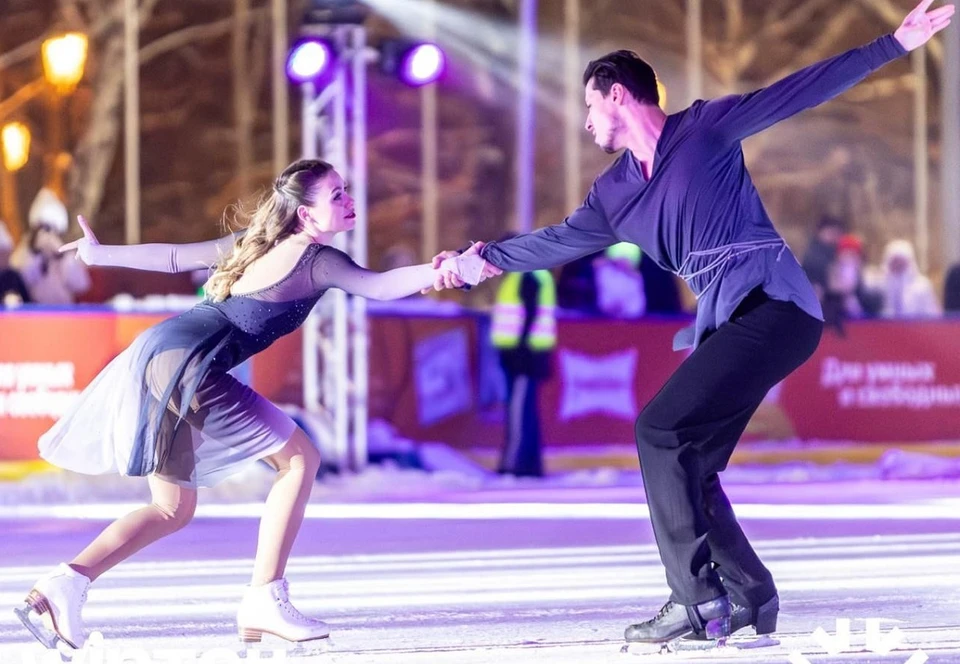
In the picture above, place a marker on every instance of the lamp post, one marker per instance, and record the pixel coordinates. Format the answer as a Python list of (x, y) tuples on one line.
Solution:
[(15, 137), (64, 58), (15, 140)]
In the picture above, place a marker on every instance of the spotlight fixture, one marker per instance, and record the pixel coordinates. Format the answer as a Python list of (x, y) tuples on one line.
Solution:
[(415, 63), (309, 59)]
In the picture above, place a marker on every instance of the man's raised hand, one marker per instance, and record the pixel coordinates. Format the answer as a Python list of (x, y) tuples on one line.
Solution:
[(920, 25)]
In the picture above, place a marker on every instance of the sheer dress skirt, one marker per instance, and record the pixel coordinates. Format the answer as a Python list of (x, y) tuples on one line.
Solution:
[(166, 405)]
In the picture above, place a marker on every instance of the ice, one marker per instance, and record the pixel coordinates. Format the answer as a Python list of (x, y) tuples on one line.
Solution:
[(414, 571), (463, 565)]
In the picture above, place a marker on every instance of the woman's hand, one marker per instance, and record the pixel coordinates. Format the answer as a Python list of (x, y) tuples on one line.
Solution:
[(83, 245)]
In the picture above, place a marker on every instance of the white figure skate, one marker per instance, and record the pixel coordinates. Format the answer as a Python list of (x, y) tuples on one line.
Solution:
[(267, 610), (51, 610)]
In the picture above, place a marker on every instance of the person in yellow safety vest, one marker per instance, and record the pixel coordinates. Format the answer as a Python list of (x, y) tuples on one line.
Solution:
[(524, 331)]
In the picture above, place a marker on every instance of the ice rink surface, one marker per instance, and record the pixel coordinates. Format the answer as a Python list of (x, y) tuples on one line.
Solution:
[(532, 572)]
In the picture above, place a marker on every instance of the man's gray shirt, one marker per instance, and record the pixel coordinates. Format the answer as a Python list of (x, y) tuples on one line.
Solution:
[(699, 215)]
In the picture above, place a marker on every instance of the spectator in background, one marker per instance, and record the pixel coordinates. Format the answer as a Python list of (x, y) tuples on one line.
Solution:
[(524, 332), (660, 288), (577, 285), (620, 291), (821, 252), (13, 292), (845, 295), (51, 277), (906, 292), (951, 291)]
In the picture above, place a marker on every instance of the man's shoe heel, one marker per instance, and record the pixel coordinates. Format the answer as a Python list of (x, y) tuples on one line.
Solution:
[(718, 628), (767, 616)]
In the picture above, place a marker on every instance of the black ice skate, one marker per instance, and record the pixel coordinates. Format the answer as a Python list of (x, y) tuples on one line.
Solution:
[(712, 619), (763, 618)]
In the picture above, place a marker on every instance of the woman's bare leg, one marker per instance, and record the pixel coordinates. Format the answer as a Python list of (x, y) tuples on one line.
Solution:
[(297, 464), (171, 508)]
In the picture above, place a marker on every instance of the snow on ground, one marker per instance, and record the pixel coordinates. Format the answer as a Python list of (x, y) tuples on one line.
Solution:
[(458, 475)]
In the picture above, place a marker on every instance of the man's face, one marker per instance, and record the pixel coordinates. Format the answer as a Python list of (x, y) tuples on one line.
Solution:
[(603, 119)]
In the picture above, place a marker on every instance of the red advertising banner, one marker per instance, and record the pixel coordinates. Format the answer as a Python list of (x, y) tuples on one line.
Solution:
[(884, 381), (46, 359), (603, 373)]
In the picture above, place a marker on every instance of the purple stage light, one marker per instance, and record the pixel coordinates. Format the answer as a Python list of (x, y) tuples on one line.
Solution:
[(422, 64), (308, 60)]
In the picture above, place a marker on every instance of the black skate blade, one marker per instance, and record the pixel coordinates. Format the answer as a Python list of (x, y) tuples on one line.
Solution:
[(40, 631), (681, 645)]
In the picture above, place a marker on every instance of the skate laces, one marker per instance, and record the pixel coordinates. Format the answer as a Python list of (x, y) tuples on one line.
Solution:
[(664, 610), (283, 594)]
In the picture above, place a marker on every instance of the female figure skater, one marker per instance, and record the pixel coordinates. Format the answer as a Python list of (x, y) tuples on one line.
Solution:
[(166, 408)]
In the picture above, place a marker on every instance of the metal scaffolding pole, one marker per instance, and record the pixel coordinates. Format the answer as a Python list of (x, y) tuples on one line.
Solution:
[(950, 147), (694, 50), (921, 163), (429, 120), (335, 335), (574, 104), (131, 119), (526, 117), (281, 132)]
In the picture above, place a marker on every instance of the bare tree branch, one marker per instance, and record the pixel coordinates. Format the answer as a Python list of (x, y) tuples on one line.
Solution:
[(22, 52), (796, 19), (261, 42), (734, 12), (194, 33), (825, 41), (24, 94), (882, 88)]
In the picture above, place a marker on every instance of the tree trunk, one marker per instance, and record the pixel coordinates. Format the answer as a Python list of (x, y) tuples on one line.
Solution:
[(243, 113)]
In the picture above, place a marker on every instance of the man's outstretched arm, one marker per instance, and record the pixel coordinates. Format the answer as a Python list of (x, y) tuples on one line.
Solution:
[(740, 116), (583, 232)]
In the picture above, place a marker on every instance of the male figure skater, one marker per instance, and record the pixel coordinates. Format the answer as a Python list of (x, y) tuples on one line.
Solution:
[(681, 191)]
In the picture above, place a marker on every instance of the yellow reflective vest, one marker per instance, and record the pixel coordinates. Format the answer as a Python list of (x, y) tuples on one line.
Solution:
[(509, 314)]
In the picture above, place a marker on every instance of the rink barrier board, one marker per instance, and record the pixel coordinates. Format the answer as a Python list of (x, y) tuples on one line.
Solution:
[(434, 379)]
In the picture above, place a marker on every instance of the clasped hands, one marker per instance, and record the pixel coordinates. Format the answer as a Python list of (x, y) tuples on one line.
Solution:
[(455, 269)]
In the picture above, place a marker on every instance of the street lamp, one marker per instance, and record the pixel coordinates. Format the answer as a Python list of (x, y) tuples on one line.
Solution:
[(64, 58), (15, 142), (15, 137)]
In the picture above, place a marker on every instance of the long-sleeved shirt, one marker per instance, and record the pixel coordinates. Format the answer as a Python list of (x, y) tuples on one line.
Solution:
[(699, 214)]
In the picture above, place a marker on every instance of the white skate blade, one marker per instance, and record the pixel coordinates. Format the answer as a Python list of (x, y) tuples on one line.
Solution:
[(310, 648)]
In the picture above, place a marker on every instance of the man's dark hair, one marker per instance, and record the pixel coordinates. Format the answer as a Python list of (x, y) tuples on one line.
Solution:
[(629, 70)]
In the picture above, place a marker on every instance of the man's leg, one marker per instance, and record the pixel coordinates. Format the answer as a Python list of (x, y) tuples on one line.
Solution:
[(744, 575), (695, 416)]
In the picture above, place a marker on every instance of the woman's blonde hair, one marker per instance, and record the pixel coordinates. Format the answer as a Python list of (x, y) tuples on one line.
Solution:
[(274, 218)]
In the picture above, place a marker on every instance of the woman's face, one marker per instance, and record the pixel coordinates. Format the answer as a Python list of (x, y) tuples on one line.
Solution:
[(333, 210)]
